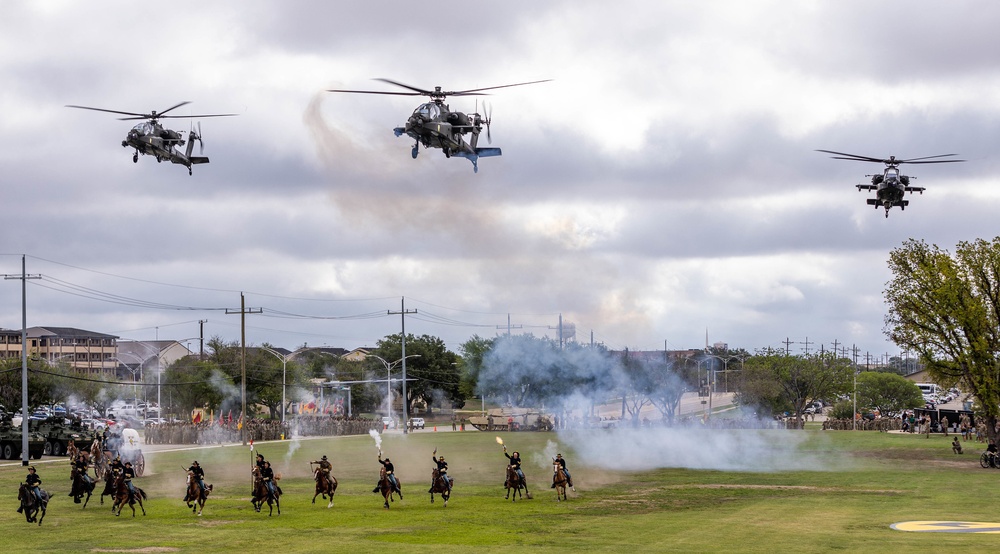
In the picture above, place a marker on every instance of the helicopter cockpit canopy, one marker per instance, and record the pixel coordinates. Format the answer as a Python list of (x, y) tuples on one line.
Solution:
[(428, 111), (892, 175), (144, 128)]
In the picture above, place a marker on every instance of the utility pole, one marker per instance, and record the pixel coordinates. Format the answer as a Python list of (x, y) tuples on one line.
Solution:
[(402, 340), (201, 338), (807, 343), (24, 356), (509, 327), (560, 328), (788, 343), (243, 361)]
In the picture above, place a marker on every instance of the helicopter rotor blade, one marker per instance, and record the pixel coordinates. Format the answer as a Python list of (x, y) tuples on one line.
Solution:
[(196, 115), (376, 92), (915, 160), (488, 120), (201, 142), (419, 91), (854, 157), (138, 115), (472, 91), (172, 108)]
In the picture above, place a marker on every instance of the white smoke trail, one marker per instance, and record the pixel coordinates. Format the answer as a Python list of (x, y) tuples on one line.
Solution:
[(756, 450), (378, 439)]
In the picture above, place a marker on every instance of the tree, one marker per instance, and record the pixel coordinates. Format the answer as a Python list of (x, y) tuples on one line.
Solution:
[(473, 351), (888, 393), (195, 383), (947, 309), (43, 383), (435, 372), (778, 382), (671, 382)]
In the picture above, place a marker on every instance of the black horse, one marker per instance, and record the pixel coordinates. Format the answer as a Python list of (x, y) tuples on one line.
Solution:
[(440, 486), (30, 505), (81, 487)]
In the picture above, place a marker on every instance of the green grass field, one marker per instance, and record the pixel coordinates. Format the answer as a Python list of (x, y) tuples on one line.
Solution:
[(872, 480)]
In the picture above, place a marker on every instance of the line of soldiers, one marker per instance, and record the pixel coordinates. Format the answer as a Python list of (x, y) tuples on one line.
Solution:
[(882, 424), (209, 432)]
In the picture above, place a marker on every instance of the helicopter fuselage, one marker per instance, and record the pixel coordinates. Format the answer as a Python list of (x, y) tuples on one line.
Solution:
[(434, 125), (163, 144), (890, 187)]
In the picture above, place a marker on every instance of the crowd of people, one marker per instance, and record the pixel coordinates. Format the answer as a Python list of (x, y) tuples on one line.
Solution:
[(214, 432)]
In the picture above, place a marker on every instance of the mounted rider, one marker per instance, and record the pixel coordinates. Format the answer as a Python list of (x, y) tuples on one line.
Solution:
[(267, 475), (325, 467), (260, 461), (128, 473), (116, 466), (34, 483), (82, 466), (442, 467), (199, 476), (569, 478), (389, 469), (515, 463)]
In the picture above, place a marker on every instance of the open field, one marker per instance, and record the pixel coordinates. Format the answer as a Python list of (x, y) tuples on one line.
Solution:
[(870, 481)]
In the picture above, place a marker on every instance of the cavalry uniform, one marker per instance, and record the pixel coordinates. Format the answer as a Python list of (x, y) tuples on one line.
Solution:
[(34, 483), (515, 464), (325, 466), (128, 473), (199, 475), (389, 469), (442, 467), (116, 465), (260, 462), (569, 478), (267, 475)]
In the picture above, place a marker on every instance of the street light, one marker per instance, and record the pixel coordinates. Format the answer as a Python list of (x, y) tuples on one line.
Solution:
[(388, 382), (284, 367)]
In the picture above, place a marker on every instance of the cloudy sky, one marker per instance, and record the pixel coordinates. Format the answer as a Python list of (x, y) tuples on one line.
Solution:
[(663, 186)]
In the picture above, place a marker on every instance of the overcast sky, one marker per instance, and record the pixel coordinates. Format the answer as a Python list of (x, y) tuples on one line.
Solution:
[(662, 187)]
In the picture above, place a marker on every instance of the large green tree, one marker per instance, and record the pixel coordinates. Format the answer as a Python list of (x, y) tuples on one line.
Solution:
[(946, 308), (779, 382), (433, 368), (889, 393)]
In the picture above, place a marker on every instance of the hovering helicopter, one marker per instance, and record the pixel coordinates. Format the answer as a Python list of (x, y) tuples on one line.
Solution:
[(149, 137), (891, 185), (434, 125)]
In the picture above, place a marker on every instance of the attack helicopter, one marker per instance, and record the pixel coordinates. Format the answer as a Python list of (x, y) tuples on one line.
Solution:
[(149, 137), (891, 185), (434, 125)]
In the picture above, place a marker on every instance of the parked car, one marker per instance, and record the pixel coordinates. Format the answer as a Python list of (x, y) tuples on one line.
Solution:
[(388, 423), (416, 423)]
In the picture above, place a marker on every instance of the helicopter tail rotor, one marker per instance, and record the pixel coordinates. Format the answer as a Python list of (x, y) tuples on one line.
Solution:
[(487, 120)]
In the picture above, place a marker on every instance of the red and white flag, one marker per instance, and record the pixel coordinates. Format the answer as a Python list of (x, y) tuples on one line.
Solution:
[(251, 445)]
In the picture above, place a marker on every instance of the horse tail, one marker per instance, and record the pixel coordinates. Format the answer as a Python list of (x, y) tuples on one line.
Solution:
[(142, 493)]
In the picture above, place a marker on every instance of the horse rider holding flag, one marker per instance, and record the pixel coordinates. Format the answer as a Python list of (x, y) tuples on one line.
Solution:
[(442, 467)]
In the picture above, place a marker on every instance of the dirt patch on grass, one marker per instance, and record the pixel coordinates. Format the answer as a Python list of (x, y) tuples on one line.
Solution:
[(145, 549), (782, 487)]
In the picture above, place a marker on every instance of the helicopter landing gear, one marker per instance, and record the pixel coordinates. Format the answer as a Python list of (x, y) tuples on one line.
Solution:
[(189, 170), (415, 151), (447, 152), (135, 158)]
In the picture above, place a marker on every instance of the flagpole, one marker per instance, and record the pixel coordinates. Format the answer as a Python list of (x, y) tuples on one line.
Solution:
[(251, 468)]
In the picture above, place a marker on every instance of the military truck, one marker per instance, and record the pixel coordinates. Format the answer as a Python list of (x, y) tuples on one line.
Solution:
[(10, 442), (57, 432)]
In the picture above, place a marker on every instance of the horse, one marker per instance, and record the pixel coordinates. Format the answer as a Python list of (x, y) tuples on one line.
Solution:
[(80, 486), (109, 486), (99, 458), (262, 494), (559, 480), (122, 496), (326, 484), (515, 483), (71, 449), (196, 494), (385, 487), (439, 484), (30, 504)]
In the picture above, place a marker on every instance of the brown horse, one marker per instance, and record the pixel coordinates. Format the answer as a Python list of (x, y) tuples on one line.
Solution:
[(98, 458), (385, 487), (326, 484), (71, 449), (439, 485), (30, 504), (559, 480), (122, 496), (515, 483), (262, 494), (196, 494), (81, 486)]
